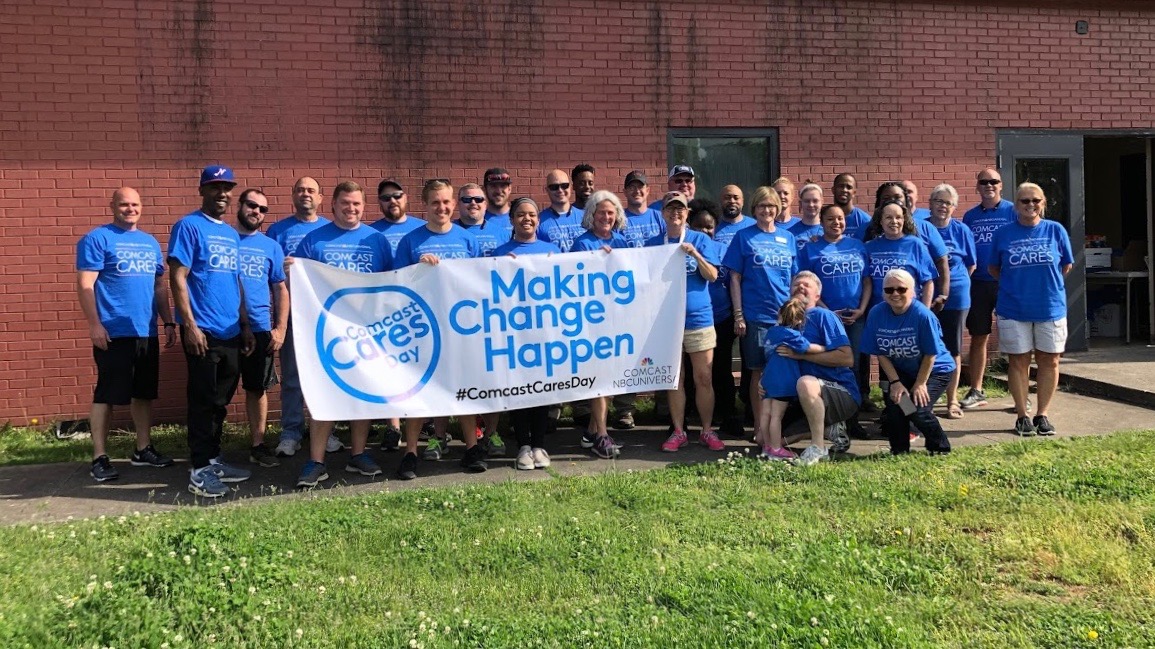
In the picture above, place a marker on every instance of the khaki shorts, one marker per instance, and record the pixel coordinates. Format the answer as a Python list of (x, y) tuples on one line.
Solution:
[(1018, 337), (699, 340)]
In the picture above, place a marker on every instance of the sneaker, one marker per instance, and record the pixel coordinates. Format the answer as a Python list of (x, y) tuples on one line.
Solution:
[(432, 450), (525, 458), (674, 442), (1024, 427), (838, 438), (540, 458), (288, 447), (312, 474), (206, 482), (391, 440), (625, 421), (782, 453), (709, 439), (333, 445), (427, 430), (228, 472), (589, 438), (407, 470), (362, 463), (1043, 426), (102, 469), (811, 456), (605, 448), (974, 399), (261, 456), (148, 456), (473, 460), (478, 426), (495, 446)]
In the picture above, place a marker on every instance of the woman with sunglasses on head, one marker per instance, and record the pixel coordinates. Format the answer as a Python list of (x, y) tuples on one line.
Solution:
[(1030, 258), (913, 363), (960, 243)]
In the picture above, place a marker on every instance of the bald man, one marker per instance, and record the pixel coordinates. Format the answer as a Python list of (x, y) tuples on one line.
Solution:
[(120, 285)]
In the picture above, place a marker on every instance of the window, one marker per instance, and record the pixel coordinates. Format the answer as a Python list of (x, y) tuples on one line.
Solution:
[(746, 157)]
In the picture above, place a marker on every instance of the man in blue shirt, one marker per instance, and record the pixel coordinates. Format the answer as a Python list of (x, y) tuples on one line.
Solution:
[(267, 302), (583, 184), (203, 253), (119, 284), (561, 222), (911, 189), (395, 221), (642, 223), (681, 179), (844, 192), (498, 186)]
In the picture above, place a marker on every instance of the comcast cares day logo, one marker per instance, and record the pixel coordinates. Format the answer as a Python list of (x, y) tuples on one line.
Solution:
[(379, 344)]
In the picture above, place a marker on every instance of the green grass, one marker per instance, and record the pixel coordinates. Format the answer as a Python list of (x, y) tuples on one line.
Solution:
[(1041, 544)]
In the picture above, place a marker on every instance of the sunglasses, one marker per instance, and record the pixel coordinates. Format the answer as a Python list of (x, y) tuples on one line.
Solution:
[(553, 187), (891, 290), (472, 199), (395, 196), (252, 205), (990, 182), (1030, 201)]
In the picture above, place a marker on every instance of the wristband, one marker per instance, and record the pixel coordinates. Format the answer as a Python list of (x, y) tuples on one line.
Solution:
[(170, 324)]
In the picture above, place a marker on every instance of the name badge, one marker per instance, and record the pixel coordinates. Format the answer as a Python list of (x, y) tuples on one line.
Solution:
[(780, 239)]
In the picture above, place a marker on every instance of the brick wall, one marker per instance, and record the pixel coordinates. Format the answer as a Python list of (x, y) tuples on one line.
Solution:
[(100, 94)]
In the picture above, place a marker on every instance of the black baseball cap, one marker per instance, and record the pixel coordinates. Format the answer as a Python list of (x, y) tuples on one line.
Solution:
[(636, 176), (495, 175), (386, 183)]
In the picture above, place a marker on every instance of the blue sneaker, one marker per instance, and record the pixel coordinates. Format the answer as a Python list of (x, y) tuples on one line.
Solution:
[(205, 482), (363, 463), (229, 473), (311, 474)]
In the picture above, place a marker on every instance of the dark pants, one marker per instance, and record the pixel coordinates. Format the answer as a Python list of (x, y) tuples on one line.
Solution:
[(212, 381), (896, 424), (529, 424), (723, 379)]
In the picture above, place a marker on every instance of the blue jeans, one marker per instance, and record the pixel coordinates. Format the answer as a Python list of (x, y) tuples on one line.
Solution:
[(292, 401), (896, 424)]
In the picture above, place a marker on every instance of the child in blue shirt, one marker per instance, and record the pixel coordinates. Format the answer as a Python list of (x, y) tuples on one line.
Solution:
[(780, 377)]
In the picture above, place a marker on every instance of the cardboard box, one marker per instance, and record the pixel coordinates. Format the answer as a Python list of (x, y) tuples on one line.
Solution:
[(1098, 257), (1107, 322)]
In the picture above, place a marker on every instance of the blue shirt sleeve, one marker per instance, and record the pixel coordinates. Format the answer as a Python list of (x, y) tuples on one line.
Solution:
[(182, 243), (90, 253), (733, 259), (833, 333)]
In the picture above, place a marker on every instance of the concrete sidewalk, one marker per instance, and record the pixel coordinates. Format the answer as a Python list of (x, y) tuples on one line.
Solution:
[(53, 492)]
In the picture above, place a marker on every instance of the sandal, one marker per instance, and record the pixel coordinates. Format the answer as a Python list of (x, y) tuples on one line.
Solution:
[(954, 411)]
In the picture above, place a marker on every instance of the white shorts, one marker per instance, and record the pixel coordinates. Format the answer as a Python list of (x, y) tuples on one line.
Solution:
[(1018, 337)]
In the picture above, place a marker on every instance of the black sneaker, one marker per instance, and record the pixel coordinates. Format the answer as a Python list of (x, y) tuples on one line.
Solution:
[(102, 470), (1024, 427), (407, 470), (148, 456), (474, 459), (427, 430), (262, 456), (391, 440), (1043, 426)]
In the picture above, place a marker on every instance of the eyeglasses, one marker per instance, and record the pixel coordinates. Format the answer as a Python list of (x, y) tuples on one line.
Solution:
[(990, 182), (472, 199), (253, 205), (891, 290), (1030, 201), (395, 196), (553, 187), (939, 201)]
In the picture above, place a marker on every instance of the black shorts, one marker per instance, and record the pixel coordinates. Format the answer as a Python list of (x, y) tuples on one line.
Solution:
[(984, 295), (952, 325), (129, 369), (258, 372)]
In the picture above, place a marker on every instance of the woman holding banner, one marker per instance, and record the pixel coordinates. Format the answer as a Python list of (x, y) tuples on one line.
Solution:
[(699, 340)]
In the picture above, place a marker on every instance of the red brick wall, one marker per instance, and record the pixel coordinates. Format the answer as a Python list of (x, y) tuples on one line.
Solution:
[(100, 94)]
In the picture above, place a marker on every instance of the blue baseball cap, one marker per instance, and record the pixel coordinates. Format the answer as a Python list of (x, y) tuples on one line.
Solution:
[(217, 174)]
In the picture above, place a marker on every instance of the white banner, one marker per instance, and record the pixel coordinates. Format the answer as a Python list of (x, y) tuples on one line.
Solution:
[(472, 336)]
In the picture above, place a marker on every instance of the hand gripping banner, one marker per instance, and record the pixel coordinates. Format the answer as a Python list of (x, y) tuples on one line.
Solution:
[(484, 335)]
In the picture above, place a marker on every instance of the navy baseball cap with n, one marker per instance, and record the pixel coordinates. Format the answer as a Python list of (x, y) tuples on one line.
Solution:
[(217, 174), (681, 170)]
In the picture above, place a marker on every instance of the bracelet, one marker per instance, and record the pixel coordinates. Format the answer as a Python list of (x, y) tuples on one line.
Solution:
[(170, 324)]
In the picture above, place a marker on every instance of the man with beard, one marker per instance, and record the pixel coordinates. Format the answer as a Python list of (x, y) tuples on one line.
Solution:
[(395, 222), (498, 186)]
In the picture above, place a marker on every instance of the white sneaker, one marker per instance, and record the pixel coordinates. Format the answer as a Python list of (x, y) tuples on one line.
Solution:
[(811, 456), (525, 458), (333, 445), (540, 458), (288, 448)]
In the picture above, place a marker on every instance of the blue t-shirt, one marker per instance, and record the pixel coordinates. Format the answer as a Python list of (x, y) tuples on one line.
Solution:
[(804, 234), (720, 288), (361, 249), (590, 241), (789, 223), (961, 244), (128, 263), (492, 216), (210, 250), (841, 267), (921, 213), (262, 264), (454, 244), (983, 224), (560, 229), (767, 262), (1030, 260), (289, 231), (824, 328), (725, 230), (781, 374), (908, 253), (929, 235), (699, 308), (905, 339), (395, 230), (535, 247), (640, 228), (489, 234), (856, 223)]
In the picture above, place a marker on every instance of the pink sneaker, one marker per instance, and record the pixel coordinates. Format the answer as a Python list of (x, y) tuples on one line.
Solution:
[(676, 441), (710, 440), (783, 453)]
